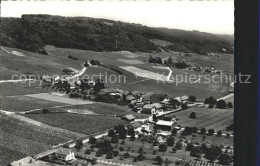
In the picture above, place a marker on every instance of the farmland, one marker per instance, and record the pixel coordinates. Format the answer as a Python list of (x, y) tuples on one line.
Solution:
[(19, 138), (17, 97), (24, 103), (78, 123), (217, 119), (102, 109)]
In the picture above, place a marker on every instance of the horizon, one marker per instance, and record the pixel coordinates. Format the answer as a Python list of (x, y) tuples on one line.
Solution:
[(205, 15)]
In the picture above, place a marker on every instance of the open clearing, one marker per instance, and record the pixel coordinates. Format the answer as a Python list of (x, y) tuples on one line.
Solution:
[(59, 99), (131, 61), (217, 119)]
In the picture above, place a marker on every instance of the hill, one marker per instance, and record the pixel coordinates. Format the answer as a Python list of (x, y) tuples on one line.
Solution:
[(33, 32)]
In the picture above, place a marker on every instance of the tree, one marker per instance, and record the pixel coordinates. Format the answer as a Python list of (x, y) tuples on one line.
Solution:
[(155, 118), (170, 141), (213, 153), (88, 151), (92, 140), (192, 98), (211, 132), (162, 148), (228, 135), (174, 131), (116, 152), (140, 157), (158, 160), (204, 148), (184, 106), (178, 145), (189, 147), (219, 133), (79, 145), (45, 111), (196, 152), (174, 150), (135, 159), (194, 130), (120, 129), (221, 104), (141, 150), (188, 130), (167, 162), (229, 105), (192, 115), (224, 159), (210, 100), (111, 133), (99, 153), (110, 155), (115, 139), (121, 148), (203, 131), (126, 155), (131, 132), (210, 106)]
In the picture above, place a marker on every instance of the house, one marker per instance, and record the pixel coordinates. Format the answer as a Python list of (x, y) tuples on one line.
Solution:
[(147, 98), (169, 117), (184, 98), (128, 118), (154, 98), (65, 154), (130, 96), (151, 108), (165, 125)]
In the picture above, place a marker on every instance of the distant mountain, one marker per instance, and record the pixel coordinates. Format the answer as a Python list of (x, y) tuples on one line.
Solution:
[(33, 32)]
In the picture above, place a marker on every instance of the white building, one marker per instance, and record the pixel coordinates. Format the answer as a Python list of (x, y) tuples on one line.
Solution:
[(65, 154)]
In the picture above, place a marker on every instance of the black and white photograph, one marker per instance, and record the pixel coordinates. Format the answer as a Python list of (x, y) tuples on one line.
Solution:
[(117, 83)]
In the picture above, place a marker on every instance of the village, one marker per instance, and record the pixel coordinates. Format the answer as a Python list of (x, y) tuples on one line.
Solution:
[(146, 141)]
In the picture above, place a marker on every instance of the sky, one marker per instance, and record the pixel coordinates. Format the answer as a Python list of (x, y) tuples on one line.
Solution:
[(205, 16)]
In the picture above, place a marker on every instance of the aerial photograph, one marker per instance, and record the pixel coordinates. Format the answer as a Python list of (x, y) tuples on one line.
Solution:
[(124, 83)]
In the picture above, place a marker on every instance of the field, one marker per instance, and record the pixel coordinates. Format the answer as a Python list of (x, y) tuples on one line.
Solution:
[(14, 89), (86, 124), (12, 155), (19, 138), (58, 99), (58, 60), (24, 103), (99, 108), (217, 119)]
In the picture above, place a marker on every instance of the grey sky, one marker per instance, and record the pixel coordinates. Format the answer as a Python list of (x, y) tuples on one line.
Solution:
[(206, 16)]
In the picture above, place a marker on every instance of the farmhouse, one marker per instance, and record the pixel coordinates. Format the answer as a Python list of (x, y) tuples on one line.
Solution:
[(128, 118), (169, 118), (165, 125), (151, 108), (130, 96), (65, 154)]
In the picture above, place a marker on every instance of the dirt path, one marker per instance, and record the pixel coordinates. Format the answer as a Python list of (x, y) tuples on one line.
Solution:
[(12, 81)]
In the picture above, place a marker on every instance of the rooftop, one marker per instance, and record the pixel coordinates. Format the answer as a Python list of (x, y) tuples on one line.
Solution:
[(164, 123)]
